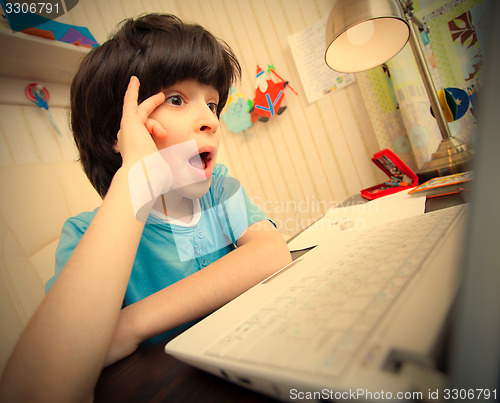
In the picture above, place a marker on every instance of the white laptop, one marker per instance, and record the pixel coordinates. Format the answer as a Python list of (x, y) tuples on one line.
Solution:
[(363, 314)]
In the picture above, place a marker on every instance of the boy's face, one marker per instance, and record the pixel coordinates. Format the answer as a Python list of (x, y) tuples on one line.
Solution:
[(189, 118)]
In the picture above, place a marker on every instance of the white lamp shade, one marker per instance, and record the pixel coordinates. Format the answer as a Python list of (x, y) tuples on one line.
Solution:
[(362, 34)]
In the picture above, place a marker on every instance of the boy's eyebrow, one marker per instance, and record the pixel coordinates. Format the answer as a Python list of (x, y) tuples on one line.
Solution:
[(173, 87)]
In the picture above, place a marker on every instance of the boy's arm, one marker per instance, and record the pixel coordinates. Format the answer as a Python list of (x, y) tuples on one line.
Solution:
[(261, 251), (63, 348)]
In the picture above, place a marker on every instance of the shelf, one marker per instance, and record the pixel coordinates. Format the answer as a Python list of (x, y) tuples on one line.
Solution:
[(33, 58)]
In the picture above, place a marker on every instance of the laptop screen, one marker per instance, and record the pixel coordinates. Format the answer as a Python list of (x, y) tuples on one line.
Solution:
[(475, 355)]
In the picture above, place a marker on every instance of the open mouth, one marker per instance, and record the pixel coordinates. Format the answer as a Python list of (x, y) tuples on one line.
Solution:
[(201, 160)]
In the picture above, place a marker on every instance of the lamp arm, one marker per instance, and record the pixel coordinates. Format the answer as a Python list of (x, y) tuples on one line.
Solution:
[(424, 70), (422, 26)]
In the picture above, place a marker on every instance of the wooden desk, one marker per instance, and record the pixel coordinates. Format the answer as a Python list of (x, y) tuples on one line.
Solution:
[(149, 375)]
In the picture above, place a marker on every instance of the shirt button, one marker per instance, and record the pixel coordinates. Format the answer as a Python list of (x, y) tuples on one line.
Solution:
[(204, 262), (200, 235)]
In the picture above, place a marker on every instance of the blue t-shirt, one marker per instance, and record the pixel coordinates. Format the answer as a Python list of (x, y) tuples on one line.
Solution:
[(167, 252)]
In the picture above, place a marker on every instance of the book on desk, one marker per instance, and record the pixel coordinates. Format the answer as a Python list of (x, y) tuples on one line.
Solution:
[(444, 185)]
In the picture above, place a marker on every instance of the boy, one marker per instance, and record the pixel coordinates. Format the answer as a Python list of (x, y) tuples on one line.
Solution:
[(177, 262)]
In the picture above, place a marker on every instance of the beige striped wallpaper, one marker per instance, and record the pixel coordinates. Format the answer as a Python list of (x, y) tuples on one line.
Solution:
[(294, 166)]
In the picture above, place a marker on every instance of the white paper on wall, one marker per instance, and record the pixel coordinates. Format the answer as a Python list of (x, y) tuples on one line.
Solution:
[(308, 50)]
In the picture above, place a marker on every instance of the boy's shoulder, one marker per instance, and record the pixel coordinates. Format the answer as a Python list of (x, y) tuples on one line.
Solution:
[(81, 220)]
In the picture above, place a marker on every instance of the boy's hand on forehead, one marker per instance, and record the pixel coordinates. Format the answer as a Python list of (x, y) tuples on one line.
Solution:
[(134, 138)]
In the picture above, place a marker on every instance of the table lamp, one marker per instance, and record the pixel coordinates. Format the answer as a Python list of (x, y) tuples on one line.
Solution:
[(363, 34)]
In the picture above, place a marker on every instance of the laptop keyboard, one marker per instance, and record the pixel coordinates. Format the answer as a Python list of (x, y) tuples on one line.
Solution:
[(321, 321)]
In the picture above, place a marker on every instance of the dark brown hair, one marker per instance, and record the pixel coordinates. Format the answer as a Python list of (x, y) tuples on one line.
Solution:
[(161, 51)]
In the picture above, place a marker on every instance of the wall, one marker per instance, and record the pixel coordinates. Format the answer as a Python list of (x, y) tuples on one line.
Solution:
[(294, 166)]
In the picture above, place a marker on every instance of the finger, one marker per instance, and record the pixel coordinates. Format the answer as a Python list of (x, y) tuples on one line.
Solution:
[(155, 128), (150, 104), (131, 95)]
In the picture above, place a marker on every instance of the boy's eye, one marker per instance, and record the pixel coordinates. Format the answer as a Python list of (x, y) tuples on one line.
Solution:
[(213, 107), (174, 100)]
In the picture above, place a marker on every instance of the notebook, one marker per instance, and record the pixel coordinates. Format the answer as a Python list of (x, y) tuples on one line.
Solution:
[(364, 310)]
